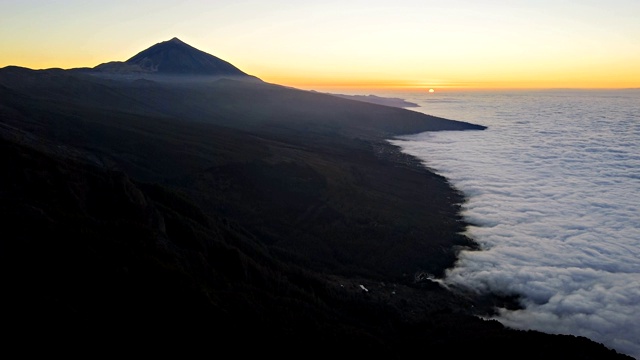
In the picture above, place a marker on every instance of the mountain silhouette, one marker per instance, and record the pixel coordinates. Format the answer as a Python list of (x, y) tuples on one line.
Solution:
[(173, 202), (173, 57)]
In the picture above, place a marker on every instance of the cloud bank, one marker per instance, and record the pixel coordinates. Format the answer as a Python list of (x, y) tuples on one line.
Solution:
[(553, 193)]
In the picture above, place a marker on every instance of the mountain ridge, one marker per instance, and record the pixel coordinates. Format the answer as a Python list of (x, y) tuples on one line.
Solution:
[(231, 215)]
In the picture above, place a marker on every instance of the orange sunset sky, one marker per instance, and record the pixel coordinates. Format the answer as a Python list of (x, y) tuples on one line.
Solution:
[(348, 44)]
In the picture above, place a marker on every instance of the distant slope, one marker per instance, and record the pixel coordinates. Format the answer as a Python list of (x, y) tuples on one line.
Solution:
[(374, 99), (247, 105)]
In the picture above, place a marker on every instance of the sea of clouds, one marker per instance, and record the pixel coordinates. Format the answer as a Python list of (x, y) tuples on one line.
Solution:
[(553, 194)]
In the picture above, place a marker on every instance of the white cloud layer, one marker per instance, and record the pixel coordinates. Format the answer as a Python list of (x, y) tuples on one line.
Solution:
[(553, 191)]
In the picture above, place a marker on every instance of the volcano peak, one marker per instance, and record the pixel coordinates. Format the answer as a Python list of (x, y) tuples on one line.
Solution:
[(173, 57)]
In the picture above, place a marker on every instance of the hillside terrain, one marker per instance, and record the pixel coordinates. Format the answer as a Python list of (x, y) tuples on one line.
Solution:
[(174, 203)]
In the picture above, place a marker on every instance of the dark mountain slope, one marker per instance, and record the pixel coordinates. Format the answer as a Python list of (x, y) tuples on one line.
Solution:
[(93, 261), (258, 107), (220, 215), (273, 108), (312, 182)]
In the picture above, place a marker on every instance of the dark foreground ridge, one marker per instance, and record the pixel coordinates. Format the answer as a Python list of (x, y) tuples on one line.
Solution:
[(230, 215)]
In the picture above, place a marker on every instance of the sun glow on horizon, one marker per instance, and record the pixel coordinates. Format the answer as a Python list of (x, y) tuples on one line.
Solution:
[(334, 44), (400, 85)]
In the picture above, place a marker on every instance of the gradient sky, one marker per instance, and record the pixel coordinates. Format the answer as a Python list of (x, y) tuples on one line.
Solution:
[(333, 44)]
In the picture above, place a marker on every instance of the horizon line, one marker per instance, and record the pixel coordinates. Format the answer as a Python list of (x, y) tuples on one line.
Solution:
[(396, 85)]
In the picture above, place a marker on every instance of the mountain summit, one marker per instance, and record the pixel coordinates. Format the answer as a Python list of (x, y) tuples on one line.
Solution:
[(176, 57), (172, 57)]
